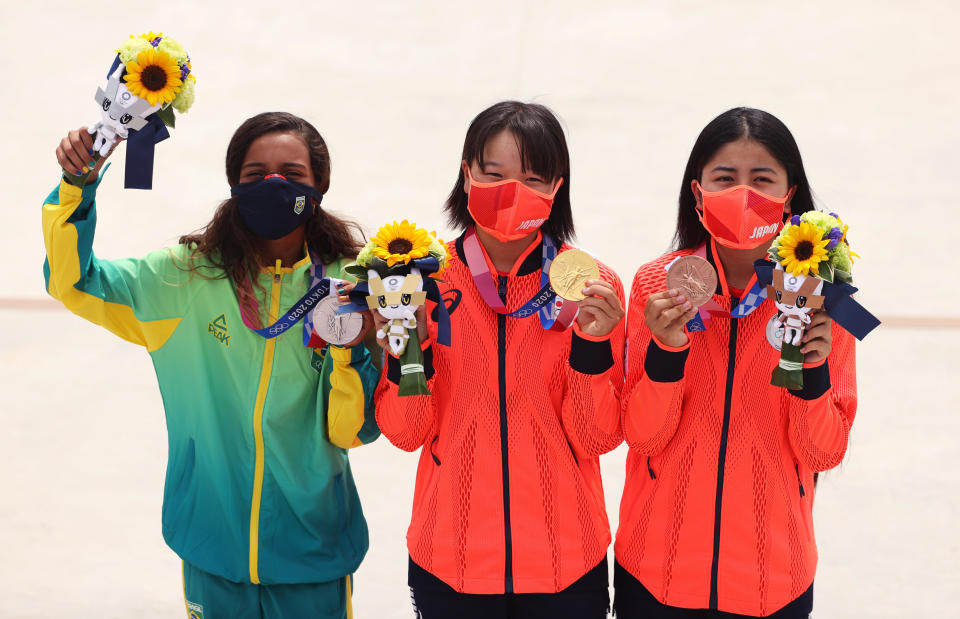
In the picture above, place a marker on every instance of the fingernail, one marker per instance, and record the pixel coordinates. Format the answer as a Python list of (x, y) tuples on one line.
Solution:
[(681, 299), (85, 169), (92, 163), (79, 173), (89, 151), (686, 305)]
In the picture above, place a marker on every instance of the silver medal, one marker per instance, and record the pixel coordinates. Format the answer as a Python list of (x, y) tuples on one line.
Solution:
[(775, 332), (334, 328)]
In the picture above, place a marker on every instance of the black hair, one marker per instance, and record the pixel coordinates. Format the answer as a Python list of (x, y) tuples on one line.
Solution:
[(733, 125), (231, 246), (543, 150)]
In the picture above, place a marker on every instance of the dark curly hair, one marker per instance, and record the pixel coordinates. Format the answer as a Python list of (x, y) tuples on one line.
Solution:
[(230, 247)]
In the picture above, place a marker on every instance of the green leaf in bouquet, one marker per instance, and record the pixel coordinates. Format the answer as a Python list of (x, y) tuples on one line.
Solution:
[(826, 272), (356, 271), (166, 115), (844, 276)]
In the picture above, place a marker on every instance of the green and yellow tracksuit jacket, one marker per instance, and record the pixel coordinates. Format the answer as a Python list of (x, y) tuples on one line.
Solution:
[(258, 486)]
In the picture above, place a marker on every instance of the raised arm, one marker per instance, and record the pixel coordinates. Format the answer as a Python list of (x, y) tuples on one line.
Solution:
[(141, 300)]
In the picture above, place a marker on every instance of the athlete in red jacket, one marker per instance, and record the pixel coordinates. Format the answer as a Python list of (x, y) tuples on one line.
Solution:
[(717, 510), (508, 515)]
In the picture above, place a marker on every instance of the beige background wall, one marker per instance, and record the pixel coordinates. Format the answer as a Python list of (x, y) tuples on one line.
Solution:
[(869, 90)]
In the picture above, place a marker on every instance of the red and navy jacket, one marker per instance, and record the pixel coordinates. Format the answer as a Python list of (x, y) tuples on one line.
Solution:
[(508, 495)]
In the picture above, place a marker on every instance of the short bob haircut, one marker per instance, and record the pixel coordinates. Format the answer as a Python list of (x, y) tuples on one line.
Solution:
[(733, 125), (543, 150)]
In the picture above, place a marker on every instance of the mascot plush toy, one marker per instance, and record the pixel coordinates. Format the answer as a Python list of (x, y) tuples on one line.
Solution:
[(396, 297), (396, 274), (810, 272)]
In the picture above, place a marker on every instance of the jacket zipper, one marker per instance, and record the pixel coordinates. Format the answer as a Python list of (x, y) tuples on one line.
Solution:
[(436, 460), (650, 469), (504, 456), (727, 403), (265, 371)]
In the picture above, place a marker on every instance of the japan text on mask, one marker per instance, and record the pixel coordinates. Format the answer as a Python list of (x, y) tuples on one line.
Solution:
[(741, 217), (508, 210)]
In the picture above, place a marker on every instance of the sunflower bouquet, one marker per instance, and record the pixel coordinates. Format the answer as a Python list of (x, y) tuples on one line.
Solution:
[(396, 271), (812, 270), (815, 243), (151, 77)]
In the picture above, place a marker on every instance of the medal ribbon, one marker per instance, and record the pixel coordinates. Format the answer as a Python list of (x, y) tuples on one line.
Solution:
[(555, 314), (301, 310)]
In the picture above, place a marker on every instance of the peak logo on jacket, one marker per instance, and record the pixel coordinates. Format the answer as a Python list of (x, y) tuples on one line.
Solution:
[(218, 329)]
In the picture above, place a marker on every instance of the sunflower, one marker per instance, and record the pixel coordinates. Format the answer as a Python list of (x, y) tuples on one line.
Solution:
[(401, 242), (154, 76), (802, 249)]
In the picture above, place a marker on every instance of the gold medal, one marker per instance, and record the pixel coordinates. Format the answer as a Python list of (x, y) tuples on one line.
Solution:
[(570, 271)]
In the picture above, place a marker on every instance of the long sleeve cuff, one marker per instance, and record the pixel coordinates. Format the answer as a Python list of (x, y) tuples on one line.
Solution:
[(589, 356), (393, 365), (87, 193), (663, 365), (816, 382), (344, 355)]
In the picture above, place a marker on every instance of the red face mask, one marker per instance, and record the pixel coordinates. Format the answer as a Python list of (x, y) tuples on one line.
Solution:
[(508, 209), (741, 217)]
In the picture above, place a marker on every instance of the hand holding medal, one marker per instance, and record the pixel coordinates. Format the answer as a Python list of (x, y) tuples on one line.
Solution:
[(691, 283), (346, 330), (575, 277)]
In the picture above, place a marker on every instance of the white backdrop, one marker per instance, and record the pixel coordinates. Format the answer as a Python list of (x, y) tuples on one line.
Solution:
[(869, 90)]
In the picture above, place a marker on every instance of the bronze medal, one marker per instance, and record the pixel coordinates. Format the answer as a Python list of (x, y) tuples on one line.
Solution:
[(694, 277)]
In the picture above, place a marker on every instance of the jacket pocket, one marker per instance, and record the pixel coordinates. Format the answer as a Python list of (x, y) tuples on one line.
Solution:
[(344, 515), (805, 506), (796, 467), (573, 453), (177, 505), (650, 470)]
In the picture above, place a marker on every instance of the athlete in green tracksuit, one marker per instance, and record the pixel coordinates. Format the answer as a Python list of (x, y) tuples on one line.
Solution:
[(259, 500)]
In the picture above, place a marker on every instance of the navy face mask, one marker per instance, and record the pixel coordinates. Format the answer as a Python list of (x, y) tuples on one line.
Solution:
[(273, 206)]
